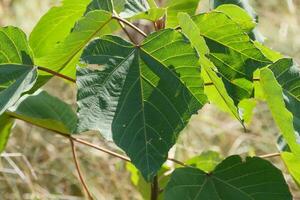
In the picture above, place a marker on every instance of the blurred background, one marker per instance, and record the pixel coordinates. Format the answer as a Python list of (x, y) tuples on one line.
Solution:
[(38, 164)]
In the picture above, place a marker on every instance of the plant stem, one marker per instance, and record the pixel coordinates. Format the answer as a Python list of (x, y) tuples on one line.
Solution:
[(271, 155), (131, 25), (56, 74), (154, 188), (84, 185)]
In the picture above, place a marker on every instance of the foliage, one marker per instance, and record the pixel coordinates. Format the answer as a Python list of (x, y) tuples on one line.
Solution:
[(141, 95)]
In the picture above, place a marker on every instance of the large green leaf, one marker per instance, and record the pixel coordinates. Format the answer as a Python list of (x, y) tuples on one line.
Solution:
[(233, 53), (66, 54), (141, 96), (45, 111), (292, 162), (6, 124), (216, 93), (55, 26), (274, 96), (233, 179), (14, 47), (15, 79)]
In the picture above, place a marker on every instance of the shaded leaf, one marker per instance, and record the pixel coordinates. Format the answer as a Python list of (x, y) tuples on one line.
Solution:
[(253, 179), (6, 124), (15, 79), (141, 96), (14, 47), (45, 111), (274, 97), (106, 5)]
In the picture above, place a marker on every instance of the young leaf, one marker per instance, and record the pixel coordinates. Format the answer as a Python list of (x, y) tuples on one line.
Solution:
[(142, 96), (66, 54), (45, 111), (55, 26), (14, 47), (232, 52), (292, 162), (15, 79), (253, 179), (274, 97), (6, 124)]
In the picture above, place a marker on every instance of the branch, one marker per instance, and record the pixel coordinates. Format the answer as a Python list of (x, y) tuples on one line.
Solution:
[(271, 155), (211, 83), (130, 24), (56, 74), (154, 188), (79, 171)]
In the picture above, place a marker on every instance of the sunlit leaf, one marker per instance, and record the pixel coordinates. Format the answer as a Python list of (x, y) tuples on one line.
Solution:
[(274, 96), (292, 162), (207, 161), (14, 47), (55, 26), (66, 54), (6, 124)]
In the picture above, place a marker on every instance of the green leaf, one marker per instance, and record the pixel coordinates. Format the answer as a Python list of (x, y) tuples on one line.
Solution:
[(232, 52), (216, 92), (207, 161), (66, 54), (176, 6), (6, 124), (274, 97), (292, 162), (141, 96), (287, 74), (239, 15), (14, 47), (253, 179), (55, 26), (45, 111), (134, 7), (15, 79), (152, 14), (106, 5)]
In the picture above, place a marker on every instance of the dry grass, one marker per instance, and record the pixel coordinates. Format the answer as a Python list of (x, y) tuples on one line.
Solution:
[(50, 172)]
